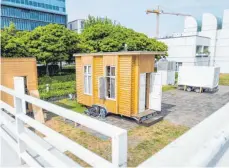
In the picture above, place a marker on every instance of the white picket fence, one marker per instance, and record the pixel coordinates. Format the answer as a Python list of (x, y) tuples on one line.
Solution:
[(22, 140)]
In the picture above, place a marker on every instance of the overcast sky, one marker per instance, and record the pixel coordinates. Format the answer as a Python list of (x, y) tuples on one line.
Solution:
[(131, 13)]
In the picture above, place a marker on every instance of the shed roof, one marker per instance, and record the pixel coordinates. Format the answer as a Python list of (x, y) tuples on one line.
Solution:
[(121, 53)]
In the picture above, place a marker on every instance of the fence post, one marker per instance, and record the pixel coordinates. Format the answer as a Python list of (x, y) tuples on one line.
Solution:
[(119, 149), (20, 107)]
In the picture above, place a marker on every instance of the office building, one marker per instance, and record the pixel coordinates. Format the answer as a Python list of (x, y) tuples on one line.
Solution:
[(29, 14), (76, 25)]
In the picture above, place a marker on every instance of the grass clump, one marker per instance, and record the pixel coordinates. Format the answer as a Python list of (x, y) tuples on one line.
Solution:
[(224, 79)]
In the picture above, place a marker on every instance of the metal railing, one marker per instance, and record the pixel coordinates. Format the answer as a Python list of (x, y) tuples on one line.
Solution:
[(23, 140)]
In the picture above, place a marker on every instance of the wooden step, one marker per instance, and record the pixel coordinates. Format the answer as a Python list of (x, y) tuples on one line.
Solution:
[(152, 121), (145, 113)]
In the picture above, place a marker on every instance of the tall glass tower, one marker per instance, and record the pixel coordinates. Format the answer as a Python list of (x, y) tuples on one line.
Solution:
[(29, 14)]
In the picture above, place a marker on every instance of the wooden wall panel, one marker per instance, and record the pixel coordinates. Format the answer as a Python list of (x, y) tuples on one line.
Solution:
[(146, 63), (98, 72), (110, 104), (81, 96), (11, 67), (79, 84), (134, 86), (98, 69), (125, 71)]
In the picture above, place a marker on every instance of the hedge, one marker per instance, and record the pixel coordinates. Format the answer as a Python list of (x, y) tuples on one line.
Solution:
[(56, 79), (57, 89)]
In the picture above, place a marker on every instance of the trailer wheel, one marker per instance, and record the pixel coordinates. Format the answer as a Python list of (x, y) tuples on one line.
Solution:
[(103, 112), (197, 90), (189, 89)]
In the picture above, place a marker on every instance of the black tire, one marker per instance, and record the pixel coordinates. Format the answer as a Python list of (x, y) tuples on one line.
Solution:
[(197, 90), (189, 89), (102, 112)]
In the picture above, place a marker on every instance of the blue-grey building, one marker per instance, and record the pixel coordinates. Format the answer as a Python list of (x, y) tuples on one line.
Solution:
[(29, 14)]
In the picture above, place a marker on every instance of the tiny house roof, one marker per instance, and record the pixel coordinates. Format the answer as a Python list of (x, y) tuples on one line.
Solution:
[(121, 53)]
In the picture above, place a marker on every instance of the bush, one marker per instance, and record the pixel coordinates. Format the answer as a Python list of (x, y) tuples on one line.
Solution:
[(57, 89), (56, 79)]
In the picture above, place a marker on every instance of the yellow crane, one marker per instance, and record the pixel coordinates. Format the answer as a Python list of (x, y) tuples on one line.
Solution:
[(158, 12)]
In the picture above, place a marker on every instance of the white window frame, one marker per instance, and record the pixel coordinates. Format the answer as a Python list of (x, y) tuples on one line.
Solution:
[(111, 77), (87, 75)]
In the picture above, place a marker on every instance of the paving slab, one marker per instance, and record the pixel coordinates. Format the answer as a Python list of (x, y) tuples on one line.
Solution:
[(190, 108)]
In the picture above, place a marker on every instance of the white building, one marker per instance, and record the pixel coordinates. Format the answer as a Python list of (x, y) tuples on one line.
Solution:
[(76, 25), (201, 43)]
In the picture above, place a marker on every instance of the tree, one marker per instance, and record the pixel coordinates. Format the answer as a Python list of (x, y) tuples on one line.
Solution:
[(13, 42), (91, 21), (52, 43), (100, 36)]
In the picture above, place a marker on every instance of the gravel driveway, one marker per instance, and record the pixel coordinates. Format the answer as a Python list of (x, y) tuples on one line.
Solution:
[(190, 108)]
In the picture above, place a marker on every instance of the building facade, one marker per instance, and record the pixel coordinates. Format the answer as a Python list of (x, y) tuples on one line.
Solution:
[(201, 43), (29, 14), (76, 25)]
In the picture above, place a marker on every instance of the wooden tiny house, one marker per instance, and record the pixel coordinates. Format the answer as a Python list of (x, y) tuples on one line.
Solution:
[(20, 67), (118, 81)]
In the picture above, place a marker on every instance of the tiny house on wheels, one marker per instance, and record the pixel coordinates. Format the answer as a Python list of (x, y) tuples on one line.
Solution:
[(122, 83)]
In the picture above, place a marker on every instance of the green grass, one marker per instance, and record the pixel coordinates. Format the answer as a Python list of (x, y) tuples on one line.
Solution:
[(224, 79), (167, 88), (143, 142), (56, 79), (72, 105)]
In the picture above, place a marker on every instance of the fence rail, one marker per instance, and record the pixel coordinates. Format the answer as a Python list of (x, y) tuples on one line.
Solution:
[(23, 140)]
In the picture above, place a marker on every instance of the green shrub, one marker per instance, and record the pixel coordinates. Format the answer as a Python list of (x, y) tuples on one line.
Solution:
[(57, 89), (69, 67), (56, 79)]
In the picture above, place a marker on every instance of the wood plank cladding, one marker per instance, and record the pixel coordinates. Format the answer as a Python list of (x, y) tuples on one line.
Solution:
[(124, 92), (12, 67), (146, 63)]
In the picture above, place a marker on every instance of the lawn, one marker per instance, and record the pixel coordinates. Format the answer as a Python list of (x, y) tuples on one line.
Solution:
[(71, 104), (224, 79), (168, 87), (143, 142)]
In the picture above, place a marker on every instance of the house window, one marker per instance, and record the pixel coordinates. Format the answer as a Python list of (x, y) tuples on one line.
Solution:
[(110, 82), (87, 79)]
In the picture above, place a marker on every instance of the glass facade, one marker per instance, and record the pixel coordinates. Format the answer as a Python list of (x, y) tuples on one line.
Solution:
[(27, 15)]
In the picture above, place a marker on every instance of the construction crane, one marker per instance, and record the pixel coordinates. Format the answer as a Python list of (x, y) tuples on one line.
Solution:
[(158, 12)]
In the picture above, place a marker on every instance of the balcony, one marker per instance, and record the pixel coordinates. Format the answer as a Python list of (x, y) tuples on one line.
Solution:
[(206, 144)]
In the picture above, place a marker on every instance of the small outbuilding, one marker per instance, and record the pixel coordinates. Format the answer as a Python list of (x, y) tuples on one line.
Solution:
[(21, 67), (122, 82)]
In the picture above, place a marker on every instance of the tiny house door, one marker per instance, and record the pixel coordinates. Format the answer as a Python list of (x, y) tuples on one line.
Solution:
[(155, 95), (142, 92)]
